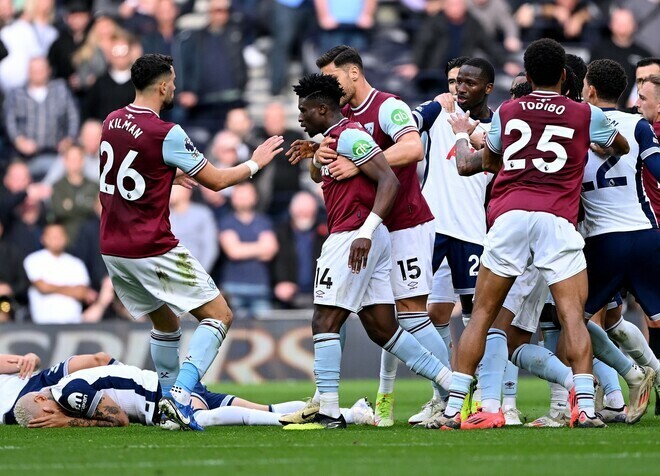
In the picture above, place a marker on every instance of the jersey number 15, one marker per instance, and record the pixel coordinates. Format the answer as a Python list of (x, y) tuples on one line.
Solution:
[(125, 171)]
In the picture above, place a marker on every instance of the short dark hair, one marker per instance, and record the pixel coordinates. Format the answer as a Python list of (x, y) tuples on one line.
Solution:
[(545, 60), (648, 62), (578, 66), (487, 70), (340, 55), (520, 90), (455, 63), (608, 78), (148, 68), (322, 87)]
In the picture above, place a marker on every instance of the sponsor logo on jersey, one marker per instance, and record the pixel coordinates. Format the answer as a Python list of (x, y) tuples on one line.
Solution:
[(361, 148), (400, 117), (77, 401)]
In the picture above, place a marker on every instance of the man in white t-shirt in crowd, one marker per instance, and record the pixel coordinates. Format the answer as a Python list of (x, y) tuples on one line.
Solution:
[(59, 281)]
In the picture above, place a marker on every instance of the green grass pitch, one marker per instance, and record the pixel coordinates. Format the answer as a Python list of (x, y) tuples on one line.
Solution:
[(269, 451)]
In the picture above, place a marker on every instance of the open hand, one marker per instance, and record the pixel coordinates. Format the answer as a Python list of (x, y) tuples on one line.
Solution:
[(268, 150), (301, 149), (461, 123), (342, 168)]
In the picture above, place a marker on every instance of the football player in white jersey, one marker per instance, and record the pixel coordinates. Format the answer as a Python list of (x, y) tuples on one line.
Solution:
[(18, 377), (118, 395), (456, 202), (620, 229)]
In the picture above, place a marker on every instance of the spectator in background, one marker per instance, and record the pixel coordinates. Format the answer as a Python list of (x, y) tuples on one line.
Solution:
[(91, 59), (114, 89), (59, 282), (279, 182), (213, 74), (161, 40), (72, 33), (13, 281), (25, 232), (90, 140), (290, 26), (345, 22), (87, 248), (647, 15), (17, 189), (295, 264), (26, 37), (194, 226), (42, 118), (496, 19), (240, 123), (224, 154), (561, 20), (74, 195), (249, 244), (448, 32), (620, 46), (137, 16)]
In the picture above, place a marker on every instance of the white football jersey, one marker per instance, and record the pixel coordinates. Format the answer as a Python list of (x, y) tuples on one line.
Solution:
[(136, 391), (613, 195), (10, 389), (457, 202)]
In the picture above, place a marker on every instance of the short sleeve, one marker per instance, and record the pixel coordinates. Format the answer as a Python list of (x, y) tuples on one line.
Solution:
[(33, 270), (494, 137), (647, 140), (77, 396), (425, 115), (179, 151), (601, 129), (395, 118), (81, 273), (357, 145)]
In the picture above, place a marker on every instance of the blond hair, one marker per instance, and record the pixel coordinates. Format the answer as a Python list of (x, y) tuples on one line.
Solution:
[(25, 409)]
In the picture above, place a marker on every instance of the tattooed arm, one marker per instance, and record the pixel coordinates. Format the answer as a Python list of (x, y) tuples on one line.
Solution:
[(469, 162), (107, 414)]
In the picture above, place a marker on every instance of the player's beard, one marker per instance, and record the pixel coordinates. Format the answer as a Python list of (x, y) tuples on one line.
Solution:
[(168, 104)]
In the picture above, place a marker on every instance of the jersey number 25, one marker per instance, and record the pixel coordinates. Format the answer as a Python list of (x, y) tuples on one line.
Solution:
[(544, 145)]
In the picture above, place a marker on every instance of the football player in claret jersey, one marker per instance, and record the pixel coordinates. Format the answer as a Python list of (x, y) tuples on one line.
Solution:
[(356, 209), (410, 223), (620, 229), (537, 145), (151, 272)]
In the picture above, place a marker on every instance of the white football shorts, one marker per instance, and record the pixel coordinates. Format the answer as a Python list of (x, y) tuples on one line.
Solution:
[(175, 278), (443, 287), (336, 285), (519, 238), (526, 299), (412, 261)]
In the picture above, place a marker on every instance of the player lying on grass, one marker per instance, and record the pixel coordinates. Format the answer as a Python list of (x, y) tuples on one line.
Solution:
[(18, 377), (123, 394)]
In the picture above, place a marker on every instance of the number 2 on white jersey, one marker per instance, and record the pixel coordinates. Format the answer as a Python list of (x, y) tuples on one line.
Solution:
[(125, 171), (544, 145)]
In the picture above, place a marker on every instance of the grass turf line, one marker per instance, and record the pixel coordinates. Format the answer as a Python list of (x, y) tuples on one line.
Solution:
[(619, 449)]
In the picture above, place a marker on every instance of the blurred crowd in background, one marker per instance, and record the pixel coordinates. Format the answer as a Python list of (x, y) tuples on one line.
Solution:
[(66, 64)]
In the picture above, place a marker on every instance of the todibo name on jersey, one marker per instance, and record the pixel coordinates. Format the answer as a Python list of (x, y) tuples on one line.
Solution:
[(128, 126), (542, 104)]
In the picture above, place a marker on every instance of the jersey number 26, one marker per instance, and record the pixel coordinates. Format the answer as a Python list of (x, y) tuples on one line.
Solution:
[(125, 171)]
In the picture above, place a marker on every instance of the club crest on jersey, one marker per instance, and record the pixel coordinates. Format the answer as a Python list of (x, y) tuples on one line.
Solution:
[(361, 148), (400, 117), (369, 126)]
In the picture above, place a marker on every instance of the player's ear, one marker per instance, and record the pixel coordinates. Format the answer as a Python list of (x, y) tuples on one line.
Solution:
[(563, 76), (489, 88), (354, 72)]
